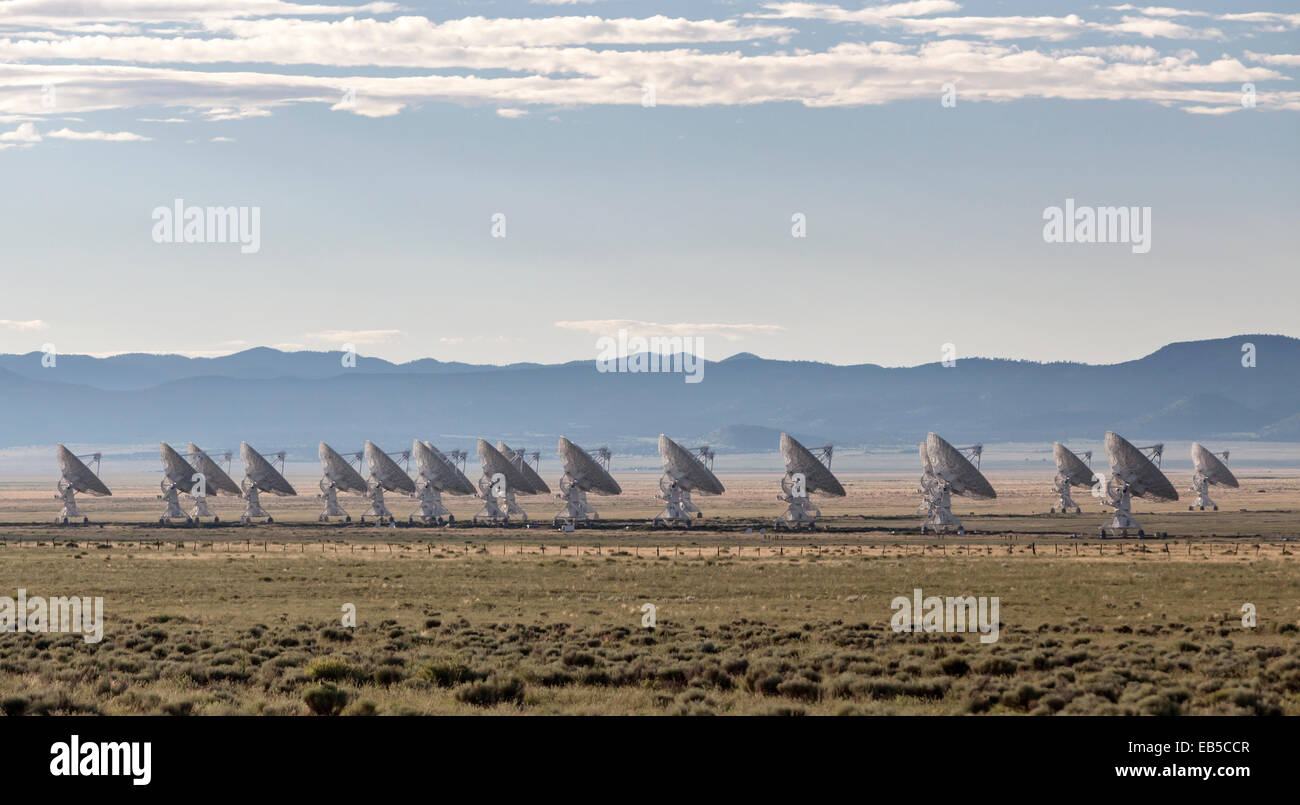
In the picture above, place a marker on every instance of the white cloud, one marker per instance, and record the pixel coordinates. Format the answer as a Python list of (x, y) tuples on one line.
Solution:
[(102, 136), (1275, 59), (33, 324), (25, 133), (572, 61), (354, 336), (610, 327)]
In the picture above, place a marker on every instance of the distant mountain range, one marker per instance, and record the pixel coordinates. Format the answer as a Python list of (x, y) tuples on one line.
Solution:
[(273, 399)]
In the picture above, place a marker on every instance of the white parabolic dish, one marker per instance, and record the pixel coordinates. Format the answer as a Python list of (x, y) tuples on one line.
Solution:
[(217, 479), (342, 474), (961, 475), (493, 462), (1209, 465), (438, 470), (687, 470), (80, 477), (178, 470), (266, 477), (1144, 479), (390, 476), (585, 472), (536, 485), (1076, 472), (817, 476)]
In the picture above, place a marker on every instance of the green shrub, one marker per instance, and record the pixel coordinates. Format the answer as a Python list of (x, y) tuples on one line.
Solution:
[(325, 700)]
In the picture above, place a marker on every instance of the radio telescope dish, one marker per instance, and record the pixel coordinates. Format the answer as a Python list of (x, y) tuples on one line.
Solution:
[(442, 470), (951, 473), (436, 474), (1070, 471), (386, 472), (583, 474), (1134, 473), (807, 472), (179, 476), (261, 476), (1209, 470), (217, 479), (684, 473), (536, 485), (74, 477), (501, 478), (927, 479), (385, 476), (338, 475)]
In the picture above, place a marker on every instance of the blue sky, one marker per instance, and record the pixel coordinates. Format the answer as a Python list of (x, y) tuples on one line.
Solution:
[(924, 222)]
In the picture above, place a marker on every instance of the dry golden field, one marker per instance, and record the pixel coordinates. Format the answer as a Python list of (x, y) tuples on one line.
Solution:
[(531, 620)]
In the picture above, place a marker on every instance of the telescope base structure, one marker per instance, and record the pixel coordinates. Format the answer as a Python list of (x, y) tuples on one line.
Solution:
[(1123, 521), (799, 509), (496, 509), (678, 507), (1201, 486), (200, 512), (253, 507), (431, 512), (576, 508), (378, 511), (1064, 502), (173, 512), (70, 512), (330, 494), (939, 508)]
